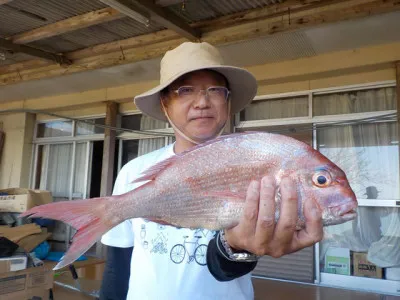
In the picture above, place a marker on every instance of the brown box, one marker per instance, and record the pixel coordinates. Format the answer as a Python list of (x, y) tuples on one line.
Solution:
[(19, 200), (364, 268), (25, 284), (13, 263)]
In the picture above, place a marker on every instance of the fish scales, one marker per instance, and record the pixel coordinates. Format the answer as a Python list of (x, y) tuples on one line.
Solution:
[(206, 187)]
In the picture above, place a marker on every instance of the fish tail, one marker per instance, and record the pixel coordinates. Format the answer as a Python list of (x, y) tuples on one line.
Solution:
[(86, 216)]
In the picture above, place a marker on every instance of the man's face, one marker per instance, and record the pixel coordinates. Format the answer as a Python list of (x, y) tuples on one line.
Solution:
[(198, 116)]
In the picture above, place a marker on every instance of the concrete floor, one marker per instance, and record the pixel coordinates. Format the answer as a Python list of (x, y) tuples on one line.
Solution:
[(90, 279), (278, 290)]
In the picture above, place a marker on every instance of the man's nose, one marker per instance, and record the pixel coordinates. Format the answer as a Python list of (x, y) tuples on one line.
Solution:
[(201, 100)]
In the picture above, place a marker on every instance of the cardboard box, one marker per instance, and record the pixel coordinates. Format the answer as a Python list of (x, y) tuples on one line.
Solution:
[(13, 263), (337, 261), (364, 268), (26, 284), (19, 200)]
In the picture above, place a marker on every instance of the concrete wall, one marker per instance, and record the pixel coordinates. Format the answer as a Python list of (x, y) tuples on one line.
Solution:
[(17, 153)]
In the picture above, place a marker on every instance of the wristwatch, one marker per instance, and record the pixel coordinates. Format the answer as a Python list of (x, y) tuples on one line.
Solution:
[(229, 254)]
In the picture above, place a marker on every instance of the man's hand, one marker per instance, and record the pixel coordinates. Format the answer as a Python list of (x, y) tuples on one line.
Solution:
[(257, 232)]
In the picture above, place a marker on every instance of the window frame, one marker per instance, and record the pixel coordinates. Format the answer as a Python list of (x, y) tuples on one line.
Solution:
[(325, 279)]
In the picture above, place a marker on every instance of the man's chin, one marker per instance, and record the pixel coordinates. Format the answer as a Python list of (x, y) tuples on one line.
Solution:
[(205, 136)]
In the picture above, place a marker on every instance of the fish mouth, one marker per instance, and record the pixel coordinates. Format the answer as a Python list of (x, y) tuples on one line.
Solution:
[(349, 216), (346, 211)]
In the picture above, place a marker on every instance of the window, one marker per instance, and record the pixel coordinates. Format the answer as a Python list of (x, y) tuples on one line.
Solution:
[(134, 145), (87, 128), (54, 129), (380, 99), (369, 155), (276, 109), (63, 156)]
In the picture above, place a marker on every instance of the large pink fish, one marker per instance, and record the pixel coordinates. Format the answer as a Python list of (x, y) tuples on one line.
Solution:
[(206, 186)]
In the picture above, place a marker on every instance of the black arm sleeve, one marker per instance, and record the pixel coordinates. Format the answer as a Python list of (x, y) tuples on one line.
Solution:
[(116, 274), (223, 269)]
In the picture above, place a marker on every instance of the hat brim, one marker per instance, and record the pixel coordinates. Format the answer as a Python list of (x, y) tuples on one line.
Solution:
[(242, 84)]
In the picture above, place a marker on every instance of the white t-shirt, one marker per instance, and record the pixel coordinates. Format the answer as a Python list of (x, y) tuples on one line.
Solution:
[(168, 263)]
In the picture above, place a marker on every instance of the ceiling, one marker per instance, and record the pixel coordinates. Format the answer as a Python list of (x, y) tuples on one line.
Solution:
[(93, 35), (304, 43)]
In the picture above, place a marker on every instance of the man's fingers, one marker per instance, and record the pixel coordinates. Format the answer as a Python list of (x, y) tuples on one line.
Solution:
[(250, 214), (266, 211), (313, 231), (242, 235), (286, 225)]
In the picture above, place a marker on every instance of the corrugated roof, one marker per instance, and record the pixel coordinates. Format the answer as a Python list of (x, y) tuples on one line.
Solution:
[(12, 58), (207, 9), (23, 15), (94, 35), (56, 44)]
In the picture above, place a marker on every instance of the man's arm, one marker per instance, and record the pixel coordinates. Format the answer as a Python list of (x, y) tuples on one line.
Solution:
[(116, 274), (221, 267)]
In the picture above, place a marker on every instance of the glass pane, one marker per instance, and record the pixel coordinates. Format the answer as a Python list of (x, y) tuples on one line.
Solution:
[(55, 177), (355, 102), (85, 128), (130, 150), (301, 132), (369, 155), (80, 171), (58, 171), (150, 123), (149, 145), (365, 247), (54, 129), (131, 122), (275, 109)]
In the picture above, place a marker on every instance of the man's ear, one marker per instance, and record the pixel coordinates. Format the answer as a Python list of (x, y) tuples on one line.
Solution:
[(164, 103)]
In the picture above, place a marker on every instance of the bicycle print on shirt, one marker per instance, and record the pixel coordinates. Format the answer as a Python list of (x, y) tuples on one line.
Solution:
[(192, 247)]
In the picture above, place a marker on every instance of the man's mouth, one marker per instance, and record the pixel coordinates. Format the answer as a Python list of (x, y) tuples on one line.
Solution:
[(201, 118)]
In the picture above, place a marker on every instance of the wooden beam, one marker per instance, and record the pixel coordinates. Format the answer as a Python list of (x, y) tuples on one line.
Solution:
[(119, 46), (397, 66), (67, 25), (57, 58), (109, 150), (168, 2), (4, 1), (398, 95), (169, 20), (155, 45), (2, 138), (169, 35), (145, 11)]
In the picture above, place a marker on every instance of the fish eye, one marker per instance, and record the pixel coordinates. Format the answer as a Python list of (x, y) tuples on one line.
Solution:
[(322, 179)]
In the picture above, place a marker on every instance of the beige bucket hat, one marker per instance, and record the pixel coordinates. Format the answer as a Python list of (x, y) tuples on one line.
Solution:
[(189, 57)]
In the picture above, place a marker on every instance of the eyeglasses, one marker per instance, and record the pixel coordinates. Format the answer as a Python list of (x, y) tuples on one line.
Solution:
[(214, 93)]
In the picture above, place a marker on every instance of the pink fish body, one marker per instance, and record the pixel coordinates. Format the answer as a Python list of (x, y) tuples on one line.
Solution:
[(206, 186)]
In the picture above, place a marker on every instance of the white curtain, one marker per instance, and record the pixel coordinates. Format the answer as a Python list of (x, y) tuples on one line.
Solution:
[(277, 109), (56, 174), (355, 102), (149, 145), (369, 155), (78, 190)]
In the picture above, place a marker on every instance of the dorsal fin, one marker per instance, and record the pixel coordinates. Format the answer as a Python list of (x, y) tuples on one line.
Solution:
[(152, 172)]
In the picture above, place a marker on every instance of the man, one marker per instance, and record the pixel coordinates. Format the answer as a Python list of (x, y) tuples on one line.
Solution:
[(197, 93)]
